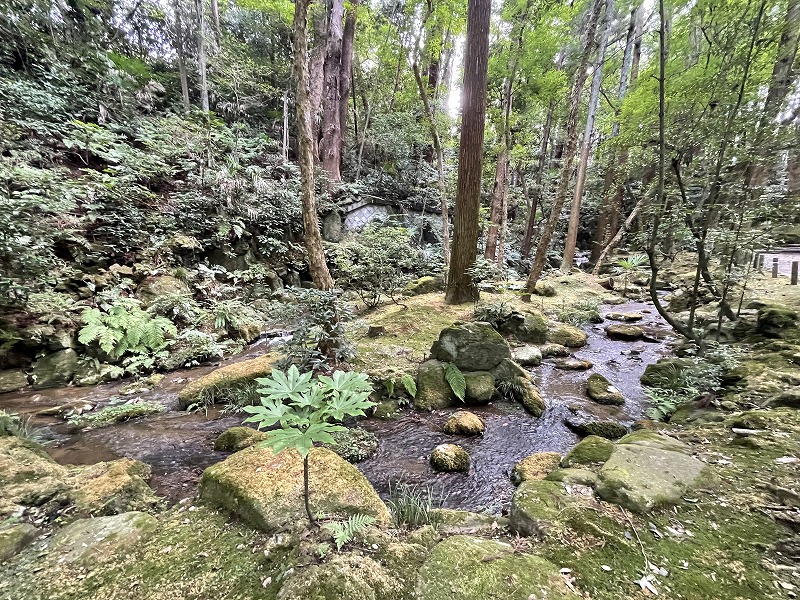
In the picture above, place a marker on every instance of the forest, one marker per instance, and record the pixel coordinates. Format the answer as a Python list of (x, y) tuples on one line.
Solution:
[(399, 299)]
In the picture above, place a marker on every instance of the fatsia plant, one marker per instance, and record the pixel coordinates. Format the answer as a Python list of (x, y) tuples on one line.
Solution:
[(307, 410)]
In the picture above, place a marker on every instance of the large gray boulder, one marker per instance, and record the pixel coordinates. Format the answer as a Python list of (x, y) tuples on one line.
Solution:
[(471, 346), (89, 541), (648, 470)]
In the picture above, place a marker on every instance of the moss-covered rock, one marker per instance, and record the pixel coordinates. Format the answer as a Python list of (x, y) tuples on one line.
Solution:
[(354, 445), (659, 374), (28, 476), (343, 577), (424, 285), (450, 521), (551, 350), (641, 476), (471, 568), (789, 398), (528, 356), (12, 381), (573, 477), (544, 288), (599, 389), (160, 285), (607, 429), (591, 450), (508, 370), (227, 376), (567, 335), (463, 422), (479, 387), (54, 370), (531, 399), (629, 317), (625, 333), (654, 439), (238, 438), (15, 538), (266, 489), (535, 467), (570, 363), (532, 329), (387, 409), (536, 504), (776, 321), (89, 541), (449, 458), (117, 413), (471, 346), (433, 391), (108, 488)]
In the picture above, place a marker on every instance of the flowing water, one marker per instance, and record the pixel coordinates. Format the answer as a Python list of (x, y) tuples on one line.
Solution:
[(179, 445)]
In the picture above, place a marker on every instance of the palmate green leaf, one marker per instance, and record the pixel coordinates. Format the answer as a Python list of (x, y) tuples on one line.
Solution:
[(268, 414), (301, 440), (290, 385), (410, 384), (346, 381), (349, 404)]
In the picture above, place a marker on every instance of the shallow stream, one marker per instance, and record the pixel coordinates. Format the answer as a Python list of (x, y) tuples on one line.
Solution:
[(179, 445)]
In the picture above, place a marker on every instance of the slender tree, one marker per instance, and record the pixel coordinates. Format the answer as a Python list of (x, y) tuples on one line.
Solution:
[(586, 145), (460, 286), (201, 53), (581, 76), (313, 241)]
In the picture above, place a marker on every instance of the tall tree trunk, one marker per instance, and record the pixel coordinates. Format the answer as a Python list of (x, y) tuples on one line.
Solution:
[(569, 152), (346, 72), (201, 54), (285, 145), (215, 16), (612, 189), (498, 195), (460, 286), (541, 167), (317, 71), (331, 145), (568, 258), (313, 241), (180, 50)]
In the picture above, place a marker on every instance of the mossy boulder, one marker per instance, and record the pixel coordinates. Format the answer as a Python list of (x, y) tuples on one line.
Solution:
[(12, 381), (54, 370), (629, 317), (573, 476), (433, 391), (544, 288), (536, 504), (238, 438), (354, 445), (528, 356), (228, 376), (479, 387), (28, 476), (658, 374), (15, 538), (449, 458), (424, 285), (450, 521), (471, 568), (641, 474), (570, 363), (161, 285), (567, 335), (607, 429), (90, 541), (533, 328), (625, 333), (599, 389), (508, 370), (531, 399), (387, 409), (113, 487), (554, 350), (343, 577), (591, 450), (266, 490), (471, 346), (776, 321), (535, 467), (463, 422), (789, 399), (653, 439)]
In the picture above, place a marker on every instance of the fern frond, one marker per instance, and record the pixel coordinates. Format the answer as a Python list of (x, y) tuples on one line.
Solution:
[(344, 531)]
